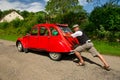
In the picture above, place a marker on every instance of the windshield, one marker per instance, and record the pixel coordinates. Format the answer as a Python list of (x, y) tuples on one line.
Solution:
[(65, 29)]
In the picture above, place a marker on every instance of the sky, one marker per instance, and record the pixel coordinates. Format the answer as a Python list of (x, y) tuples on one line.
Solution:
[(37, 5)]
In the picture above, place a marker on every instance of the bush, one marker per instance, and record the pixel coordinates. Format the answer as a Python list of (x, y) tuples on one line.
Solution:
[(3, 25)]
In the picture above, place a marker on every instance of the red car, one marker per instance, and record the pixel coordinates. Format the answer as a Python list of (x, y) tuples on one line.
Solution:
[(48, 37)]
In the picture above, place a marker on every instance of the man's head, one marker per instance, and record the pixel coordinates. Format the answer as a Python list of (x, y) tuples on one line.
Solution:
[(76, 27)]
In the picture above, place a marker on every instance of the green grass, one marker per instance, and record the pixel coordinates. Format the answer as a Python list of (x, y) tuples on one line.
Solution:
[(9, 37), (110, 48)]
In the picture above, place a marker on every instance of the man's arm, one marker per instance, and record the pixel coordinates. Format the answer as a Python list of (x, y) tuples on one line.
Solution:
[(74, 35)]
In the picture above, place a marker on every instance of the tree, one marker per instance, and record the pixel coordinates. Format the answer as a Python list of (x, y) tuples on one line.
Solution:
[(72, 18), (62, 6), (113, 1), (65, 11), (0, 14), (108, 15), (25, 14), (107, 20)]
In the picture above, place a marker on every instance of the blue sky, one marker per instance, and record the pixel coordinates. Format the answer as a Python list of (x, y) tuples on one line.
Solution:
[(38, 5)]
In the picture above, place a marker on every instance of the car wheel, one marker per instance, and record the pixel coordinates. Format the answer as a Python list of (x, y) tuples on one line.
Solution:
[(55, 56), (19, 47)]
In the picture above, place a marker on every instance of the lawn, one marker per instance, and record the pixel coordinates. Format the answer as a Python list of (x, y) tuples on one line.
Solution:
[(110, 48), (9, 37)]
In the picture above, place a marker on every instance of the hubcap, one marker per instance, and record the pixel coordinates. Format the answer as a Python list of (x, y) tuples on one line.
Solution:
[(19, 46), (55, 56)]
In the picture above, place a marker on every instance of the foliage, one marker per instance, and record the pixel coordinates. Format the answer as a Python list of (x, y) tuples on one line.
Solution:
[(54, 7), (3, 25), (21, 27), (66, 11), (0, 14), (107, 21), (74, 18)]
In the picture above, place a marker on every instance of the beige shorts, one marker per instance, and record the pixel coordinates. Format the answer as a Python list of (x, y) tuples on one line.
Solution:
[(89, 47)]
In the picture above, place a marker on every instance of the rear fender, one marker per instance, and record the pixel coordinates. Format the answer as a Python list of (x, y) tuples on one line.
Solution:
[(59, 46)]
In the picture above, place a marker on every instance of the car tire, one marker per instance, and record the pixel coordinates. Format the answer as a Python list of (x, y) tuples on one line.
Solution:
[(19, 46), (55, 56)]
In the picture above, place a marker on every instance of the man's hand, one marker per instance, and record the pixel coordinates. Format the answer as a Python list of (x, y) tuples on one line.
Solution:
[(67, 34), (64, 34)]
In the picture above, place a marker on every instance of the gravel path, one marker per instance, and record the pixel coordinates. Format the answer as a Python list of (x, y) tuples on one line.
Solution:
[(33, 66)]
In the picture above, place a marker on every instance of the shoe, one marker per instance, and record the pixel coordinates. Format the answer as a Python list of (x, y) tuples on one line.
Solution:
[(106, 68), (81, 64), (76, 60)]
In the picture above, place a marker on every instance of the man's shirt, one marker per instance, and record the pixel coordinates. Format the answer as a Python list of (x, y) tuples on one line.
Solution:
[(76, 34)]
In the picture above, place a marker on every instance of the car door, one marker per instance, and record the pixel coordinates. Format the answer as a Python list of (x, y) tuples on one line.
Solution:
[(43, 38), (33, 38), (55, 40)]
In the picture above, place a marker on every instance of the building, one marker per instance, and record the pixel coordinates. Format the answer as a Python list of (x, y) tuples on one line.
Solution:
[(11, 16)]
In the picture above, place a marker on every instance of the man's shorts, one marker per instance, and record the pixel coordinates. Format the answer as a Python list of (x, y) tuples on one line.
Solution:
[(89, 47)]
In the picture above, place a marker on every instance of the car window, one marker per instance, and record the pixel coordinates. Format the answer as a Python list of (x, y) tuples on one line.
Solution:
[(44, 31), (34, 31), (54, 32), (65, 29)]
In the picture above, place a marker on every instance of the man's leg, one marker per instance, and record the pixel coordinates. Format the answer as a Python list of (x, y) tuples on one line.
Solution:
[(103, 60), (79, 57), (95, 53), (76, 51)]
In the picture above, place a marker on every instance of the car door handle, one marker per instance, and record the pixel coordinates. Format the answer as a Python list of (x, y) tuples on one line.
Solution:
[(48, 37)]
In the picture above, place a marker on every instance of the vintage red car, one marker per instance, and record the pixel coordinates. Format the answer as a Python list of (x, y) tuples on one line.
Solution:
[(50, 38)]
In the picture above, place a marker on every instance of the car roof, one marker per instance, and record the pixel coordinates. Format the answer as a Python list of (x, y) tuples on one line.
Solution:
[(49, 25)]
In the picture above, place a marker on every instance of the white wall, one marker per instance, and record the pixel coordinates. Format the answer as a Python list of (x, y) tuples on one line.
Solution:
[(13, 15)]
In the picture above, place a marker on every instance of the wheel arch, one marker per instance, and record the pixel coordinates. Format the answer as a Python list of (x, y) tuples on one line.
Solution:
[(17, 42), (20, 42)]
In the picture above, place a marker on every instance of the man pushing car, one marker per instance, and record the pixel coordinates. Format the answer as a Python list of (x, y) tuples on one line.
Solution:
[(85, 44)]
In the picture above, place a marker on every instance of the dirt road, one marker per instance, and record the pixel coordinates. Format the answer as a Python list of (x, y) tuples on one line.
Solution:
[(33, 66)]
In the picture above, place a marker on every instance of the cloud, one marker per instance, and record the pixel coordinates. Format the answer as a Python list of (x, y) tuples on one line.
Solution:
[(32, 7)]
